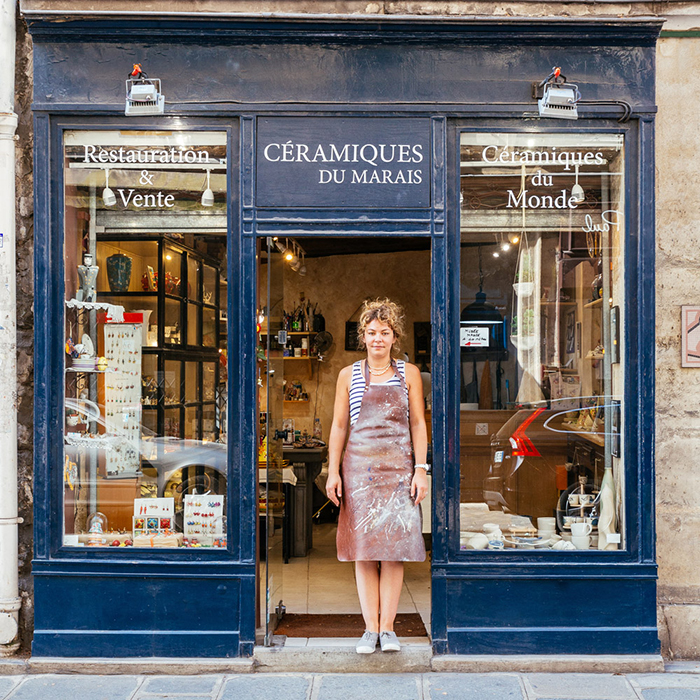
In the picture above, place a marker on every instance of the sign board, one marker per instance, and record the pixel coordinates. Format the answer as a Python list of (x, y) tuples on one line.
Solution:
[(474, 337), (343, 162)]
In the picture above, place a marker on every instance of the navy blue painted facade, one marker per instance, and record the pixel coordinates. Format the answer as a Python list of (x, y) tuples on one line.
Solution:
[(449, 75)]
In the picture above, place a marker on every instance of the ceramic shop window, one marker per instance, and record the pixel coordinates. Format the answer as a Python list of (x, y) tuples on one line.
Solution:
[(145, 390), (541, 300)]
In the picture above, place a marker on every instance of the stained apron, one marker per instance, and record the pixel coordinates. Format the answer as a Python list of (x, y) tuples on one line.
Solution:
[(379, 521)]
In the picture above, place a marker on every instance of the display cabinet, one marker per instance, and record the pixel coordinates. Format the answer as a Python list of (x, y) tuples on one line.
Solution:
[(177, 291)]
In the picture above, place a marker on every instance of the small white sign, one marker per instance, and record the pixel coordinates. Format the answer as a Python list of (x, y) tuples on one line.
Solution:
[(473, 337)]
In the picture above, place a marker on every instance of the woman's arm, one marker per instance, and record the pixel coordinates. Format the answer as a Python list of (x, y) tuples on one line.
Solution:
[(419, 432), (339, 433)]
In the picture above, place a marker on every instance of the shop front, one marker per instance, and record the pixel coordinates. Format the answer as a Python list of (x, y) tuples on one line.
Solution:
[(210, 262)]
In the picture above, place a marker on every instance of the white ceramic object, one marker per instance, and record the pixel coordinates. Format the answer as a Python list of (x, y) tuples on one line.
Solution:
[(563, 545), (479, 541), (581, 542), (88, 347), (546, 523), (607, 524), (580, 530)]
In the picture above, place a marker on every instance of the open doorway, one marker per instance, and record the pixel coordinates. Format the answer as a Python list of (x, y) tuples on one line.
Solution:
[(310, 291)]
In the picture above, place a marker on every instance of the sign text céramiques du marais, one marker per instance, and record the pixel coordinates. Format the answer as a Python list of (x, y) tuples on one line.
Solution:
[(356, 162)]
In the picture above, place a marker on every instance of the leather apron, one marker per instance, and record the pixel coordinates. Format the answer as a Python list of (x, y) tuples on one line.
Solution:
[(379, 521)]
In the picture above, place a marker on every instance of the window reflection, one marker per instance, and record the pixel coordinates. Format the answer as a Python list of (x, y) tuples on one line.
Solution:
[(541, 370), (145, 455)]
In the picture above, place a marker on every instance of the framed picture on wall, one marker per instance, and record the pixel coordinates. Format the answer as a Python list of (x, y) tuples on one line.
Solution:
[(351, 342)]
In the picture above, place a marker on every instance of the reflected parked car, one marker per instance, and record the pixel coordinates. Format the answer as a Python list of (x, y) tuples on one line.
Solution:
[(540, 453)]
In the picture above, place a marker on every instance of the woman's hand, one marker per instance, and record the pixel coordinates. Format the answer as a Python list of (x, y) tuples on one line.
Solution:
[(419, 485), (334, 488)]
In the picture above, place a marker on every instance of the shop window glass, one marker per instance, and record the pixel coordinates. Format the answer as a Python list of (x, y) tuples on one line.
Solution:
[(136, 235), (541, 313)]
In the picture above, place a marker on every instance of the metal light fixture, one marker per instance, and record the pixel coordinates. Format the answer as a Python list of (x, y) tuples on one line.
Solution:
[(577, 193), (558, 98), (208, 195), (143, 95), (108, 197)]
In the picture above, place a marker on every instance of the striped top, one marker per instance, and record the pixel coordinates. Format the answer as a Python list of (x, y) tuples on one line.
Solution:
[(357, 386)]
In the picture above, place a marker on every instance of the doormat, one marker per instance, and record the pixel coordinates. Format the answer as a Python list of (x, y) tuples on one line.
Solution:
[(298, 625)]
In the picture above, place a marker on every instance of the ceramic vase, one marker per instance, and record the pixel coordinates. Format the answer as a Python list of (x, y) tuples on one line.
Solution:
[(119, 272)]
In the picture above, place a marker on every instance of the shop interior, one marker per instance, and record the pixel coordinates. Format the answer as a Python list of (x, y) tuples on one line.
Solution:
[(312, 289)]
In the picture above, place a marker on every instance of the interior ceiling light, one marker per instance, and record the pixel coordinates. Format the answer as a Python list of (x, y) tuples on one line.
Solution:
[(208, 195), (514, 238), (505, 245), (556, 97), (577, 193), (108, 197), (143, 95), (289, 254)]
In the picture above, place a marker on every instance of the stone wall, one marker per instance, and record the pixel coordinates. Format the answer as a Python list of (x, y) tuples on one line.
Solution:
[(677, 388), (25, 322)]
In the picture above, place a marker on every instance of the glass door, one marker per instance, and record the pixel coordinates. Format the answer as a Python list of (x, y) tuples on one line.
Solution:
[(275, 496)]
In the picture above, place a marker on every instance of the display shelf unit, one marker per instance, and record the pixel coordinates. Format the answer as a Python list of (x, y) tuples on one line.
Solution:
[(294, 340), (177, 289)]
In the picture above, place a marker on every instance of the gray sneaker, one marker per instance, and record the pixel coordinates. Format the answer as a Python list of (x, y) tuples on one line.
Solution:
[(389, 641), (367, 643)]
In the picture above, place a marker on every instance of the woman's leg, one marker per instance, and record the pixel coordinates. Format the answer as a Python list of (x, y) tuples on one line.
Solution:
[(390, 584), (367, 577)]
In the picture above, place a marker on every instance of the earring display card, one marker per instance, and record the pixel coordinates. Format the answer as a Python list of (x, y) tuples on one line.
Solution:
[(153, 516), (123, 398), (203, 518)]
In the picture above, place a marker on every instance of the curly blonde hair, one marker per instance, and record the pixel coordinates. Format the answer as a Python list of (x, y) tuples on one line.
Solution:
[(385, 311)]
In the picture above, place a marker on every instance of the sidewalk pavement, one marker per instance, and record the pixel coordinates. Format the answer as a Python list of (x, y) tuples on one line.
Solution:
[(680, 682)]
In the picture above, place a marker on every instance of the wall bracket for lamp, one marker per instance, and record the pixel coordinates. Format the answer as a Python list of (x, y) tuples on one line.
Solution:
[(559, 97)]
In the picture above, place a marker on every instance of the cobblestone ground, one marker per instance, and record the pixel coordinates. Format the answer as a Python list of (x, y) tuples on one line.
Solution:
[(429, 686)]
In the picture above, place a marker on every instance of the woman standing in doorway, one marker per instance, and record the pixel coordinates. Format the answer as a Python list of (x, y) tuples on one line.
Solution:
[(379, 402)]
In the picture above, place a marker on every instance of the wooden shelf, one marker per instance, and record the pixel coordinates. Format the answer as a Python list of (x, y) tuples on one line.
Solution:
[(593, 304), (296, 400)]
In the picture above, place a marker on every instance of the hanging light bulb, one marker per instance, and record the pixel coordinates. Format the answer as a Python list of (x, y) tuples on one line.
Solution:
[(514, 238), (108, 197), (505, 246), (208, 195), (496, 254), (289, 254), (577, 193)]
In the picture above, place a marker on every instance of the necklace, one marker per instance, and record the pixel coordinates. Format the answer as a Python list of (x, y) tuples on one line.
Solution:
[(377, 371)]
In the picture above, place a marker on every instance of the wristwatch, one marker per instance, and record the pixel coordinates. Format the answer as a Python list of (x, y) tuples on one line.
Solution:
[(422, 466)]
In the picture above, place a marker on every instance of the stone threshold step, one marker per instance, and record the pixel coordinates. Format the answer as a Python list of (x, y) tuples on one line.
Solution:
[(339, 658)]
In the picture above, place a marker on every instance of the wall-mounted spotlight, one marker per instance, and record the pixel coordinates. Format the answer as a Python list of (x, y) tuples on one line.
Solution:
[(143, 95), (555, 97), (208, 195), (108, 197)]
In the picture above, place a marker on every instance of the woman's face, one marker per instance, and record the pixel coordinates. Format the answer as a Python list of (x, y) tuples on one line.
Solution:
[(379, 337)]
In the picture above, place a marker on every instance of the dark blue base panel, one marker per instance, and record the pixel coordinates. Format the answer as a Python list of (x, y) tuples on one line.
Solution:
[(129, 643), (547, 616), (573, 640), (117, 615)]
